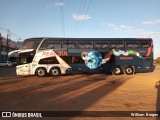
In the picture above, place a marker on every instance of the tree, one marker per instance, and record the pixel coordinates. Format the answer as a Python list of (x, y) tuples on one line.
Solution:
[(157, 60)]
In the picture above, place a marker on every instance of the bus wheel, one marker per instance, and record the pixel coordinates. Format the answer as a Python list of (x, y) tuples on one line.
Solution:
[(55, 71), (41, 72), (129, 70), (117, 70)]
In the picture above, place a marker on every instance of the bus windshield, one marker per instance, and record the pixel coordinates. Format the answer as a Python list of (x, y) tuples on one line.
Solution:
[(31, 44)]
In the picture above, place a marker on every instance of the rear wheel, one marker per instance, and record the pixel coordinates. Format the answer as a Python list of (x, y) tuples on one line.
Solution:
[(41, 72), (117, 70), (55, 71), (129, 70)]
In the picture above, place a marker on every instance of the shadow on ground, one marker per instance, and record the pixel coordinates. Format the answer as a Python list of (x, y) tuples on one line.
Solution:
[(158, 99), (66, 93)]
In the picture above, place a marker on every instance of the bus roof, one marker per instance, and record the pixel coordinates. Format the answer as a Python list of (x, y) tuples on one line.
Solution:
[(81, 39)]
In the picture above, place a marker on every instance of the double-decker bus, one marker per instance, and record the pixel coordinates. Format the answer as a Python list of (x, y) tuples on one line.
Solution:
[(56, 56)]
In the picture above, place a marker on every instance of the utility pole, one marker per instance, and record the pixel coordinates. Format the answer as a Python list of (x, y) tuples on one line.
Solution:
[(8, 34), (0, 46)]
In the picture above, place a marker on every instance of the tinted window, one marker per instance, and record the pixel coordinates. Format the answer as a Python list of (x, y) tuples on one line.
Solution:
[(144, 44), (132, 44), (77, 59), (85, 44), (72, 44), (100, 44), (65, 44), (116, 44), (67, 59), (49, 60), (26, 57), (31, 44), (51, 44), (3, 62)]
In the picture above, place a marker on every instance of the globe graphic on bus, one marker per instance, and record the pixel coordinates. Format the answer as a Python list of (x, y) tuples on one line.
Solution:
[(93, 59)]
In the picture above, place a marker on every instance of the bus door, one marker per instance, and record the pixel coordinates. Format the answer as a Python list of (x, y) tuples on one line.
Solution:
[(23, 69), (24, 60)]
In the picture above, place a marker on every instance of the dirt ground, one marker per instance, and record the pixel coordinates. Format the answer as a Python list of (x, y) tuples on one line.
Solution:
[(82, 92)]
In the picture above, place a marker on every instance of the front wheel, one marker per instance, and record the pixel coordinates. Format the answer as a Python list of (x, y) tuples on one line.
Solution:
[(55, 71), (41, 72)]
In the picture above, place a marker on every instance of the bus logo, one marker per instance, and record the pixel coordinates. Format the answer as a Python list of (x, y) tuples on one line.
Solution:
[(51, 53), (62, 53)]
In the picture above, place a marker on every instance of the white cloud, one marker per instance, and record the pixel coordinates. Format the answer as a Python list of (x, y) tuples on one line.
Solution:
[(111, 25), (59, 4), (152, 22), (81, 17), (129, 31), (121, 27)]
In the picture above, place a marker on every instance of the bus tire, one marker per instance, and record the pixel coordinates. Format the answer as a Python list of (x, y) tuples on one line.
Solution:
[(41, 72), (129, 70), (117, 70), (55, 71)]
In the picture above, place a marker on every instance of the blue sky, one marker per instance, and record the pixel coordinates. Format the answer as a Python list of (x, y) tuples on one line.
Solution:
[(81, 18)]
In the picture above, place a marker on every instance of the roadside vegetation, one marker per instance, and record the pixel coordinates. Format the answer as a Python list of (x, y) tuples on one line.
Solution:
[(157, 60)]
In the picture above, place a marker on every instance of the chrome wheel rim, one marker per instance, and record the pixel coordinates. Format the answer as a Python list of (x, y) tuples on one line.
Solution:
[(117, 71), (129, 70), (55, 72), (41, 72)]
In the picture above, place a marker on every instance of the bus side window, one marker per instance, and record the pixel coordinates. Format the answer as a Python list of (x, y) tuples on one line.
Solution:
[(144, 44), (132, 44), (77, 59), (97, 44), (117, 44), (85, 44), (49, 60), (65, 45), (23, 61), (67, 59), (49, 44), (72, 44), (100, 44), (25, 58), (56, 44), (104, 44), (81, 44)]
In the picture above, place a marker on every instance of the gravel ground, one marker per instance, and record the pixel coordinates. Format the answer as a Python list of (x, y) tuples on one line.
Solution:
[(82, 92)]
